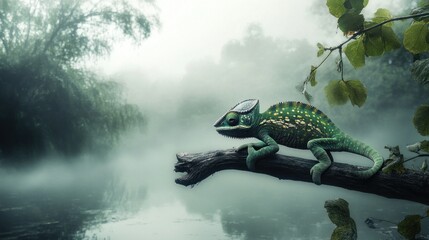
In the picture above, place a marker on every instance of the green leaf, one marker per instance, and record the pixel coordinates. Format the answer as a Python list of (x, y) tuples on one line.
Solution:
[(374, 32), (336, 92), (312, 77), (321, 50), (420, 10), (351, 22), (373, 46), (382, 15), (410, 226), (415, 38), (390, 40), (420, 71), (336, 7), (424, 166), (308, 97), (424, 146), (355, 6), (355, 52), (357, 92), (427, 213), (421, 120)]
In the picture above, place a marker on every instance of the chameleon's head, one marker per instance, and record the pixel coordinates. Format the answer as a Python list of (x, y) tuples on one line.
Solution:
[(240, 120)]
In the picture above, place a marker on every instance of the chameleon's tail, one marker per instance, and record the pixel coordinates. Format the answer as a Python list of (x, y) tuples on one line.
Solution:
[(358, 147)]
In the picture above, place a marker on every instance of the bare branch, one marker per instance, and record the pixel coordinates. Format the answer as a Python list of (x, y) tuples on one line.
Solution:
[(411, 185)]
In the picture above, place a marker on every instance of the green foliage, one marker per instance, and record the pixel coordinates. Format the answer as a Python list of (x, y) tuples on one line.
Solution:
[(357, 92), (380, 40), (415, 38), (382, 15), (339, 7), (424, 166), (339, 92), (348, 13), (339, 214), (312, 77), (367, 38), (355, 52), (420, 71), (321, 49), (376, 31), (308, 97), (351, 22), (410, 226), (421, 120), (389, 38), (336, 92), (424, 146), (373, 45), (424, 8), (47, 104), (336, 7)]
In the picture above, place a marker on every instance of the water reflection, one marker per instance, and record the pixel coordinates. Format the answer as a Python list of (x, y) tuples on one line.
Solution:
[(61, 202), (168, 221)]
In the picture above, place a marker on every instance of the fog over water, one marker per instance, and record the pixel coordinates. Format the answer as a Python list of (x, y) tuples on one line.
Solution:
[(182, 88)]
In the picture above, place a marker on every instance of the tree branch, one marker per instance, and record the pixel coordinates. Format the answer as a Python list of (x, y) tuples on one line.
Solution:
[(360, 32), (411, 185), (418, 156)]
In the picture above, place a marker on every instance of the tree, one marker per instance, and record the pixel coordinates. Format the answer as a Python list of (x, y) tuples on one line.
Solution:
[(48, 101)]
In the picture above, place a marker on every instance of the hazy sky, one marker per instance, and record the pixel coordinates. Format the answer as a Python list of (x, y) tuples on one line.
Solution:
[(192, 30)]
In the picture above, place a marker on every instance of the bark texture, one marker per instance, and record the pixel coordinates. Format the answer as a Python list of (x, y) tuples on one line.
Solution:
[(410, 185)]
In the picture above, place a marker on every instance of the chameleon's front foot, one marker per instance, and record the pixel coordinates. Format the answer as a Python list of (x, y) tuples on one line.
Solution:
[(251, 159), (251, 145), (259, 150)]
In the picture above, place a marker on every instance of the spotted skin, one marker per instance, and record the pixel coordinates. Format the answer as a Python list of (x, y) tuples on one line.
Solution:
[(296, 125)]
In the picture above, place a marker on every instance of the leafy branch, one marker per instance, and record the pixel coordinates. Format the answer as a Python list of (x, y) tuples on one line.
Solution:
[(409, 227), (366, 38), (360, 32)]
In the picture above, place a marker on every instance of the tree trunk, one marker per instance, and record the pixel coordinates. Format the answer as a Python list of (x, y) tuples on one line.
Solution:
[(410, 185)]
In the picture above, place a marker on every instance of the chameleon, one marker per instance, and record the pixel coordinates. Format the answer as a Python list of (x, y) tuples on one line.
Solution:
[(296, 125)]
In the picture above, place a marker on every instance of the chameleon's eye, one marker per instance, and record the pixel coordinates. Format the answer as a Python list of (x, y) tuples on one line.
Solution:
[(232, 119)]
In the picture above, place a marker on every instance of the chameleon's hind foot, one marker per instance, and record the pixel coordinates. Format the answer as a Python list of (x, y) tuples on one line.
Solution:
[(316, 172)]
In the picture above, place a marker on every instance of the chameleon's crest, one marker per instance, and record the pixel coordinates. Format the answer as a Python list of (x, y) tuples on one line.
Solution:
[(245, 106), (238, 121)]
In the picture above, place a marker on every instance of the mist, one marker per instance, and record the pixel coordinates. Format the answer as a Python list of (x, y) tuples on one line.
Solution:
[(130, 192)]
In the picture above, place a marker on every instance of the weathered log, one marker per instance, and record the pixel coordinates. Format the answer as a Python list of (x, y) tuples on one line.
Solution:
[(410, 185)]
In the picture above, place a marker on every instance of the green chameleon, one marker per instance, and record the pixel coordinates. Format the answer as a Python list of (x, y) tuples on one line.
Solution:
[(295, 125)]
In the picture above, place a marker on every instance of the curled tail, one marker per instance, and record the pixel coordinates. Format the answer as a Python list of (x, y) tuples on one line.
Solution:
[(358, 147)]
